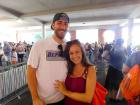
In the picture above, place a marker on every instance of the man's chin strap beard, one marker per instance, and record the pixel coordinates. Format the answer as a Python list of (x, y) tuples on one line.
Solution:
[(61, 38)]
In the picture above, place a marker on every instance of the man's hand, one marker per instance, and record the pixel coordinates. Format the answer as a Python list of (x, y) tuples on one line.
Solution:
[(38, 102)]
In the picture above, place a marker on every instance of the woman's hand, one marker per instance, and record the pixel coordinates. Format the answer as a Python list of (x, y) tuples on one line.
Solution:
[(60, 86)]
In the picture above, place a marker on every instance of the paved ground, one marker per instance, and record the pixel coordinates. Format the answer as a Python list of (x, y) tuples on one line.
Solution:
[(25, 99)]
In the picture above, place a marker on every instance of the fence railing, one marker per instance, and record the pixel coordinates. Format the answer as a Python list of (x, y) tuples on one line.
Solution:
[(12, 78)]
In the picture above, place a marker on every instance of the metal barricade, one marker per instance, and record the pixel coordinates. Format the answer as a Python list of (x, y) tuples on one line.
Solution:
[(12, 78)]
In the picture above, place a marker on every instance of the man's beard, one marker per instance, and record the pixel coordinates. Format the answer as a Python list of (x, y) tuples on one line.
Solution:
[(59, 35)]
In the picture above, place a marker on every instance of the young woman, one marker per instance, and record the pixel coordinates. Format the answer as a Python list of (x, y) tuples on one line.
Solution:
[(80, 83)]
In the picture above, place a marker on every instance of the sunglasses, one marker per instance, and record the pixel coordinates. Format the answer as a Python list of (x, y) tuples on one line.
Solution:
[(61, 52)]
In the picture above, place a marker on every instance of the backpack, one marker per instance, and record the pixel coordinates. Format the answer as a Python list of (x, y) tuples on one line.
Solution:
[(130, 85)]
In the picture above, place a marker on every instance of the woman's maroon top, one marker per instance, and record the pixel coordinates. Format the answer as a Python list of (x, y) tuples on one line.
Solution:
[(75, 84)]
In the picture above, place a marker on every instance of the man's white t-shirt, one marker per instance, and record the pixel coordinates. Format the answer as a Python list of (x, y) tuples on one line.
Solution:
[(44, 56)]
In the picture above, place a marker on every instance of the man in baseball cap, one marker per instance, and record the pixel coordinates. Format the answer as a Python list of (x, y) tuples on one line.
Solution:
[(60, 24), (60, 16), (46, 65)]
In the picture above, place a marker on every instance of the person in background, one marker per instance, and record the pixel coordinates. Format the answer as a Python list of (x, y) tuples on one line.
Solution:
[(80, 83), (91, 54), (0, 46), (130, 62), (96, 52), (1, 54), (7, 52), (114, 74), (46, 64), (20, 52), (106, 53), (129, 49), (14, 58)]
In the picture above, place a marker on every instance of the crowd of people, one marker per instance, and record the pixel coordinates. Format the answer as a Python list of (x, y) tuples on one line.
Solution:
[(13, 53)]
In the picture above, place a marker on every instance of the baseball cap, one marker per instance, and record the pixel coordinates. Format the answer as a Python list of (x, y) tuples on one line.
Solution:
[(60, 16)]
